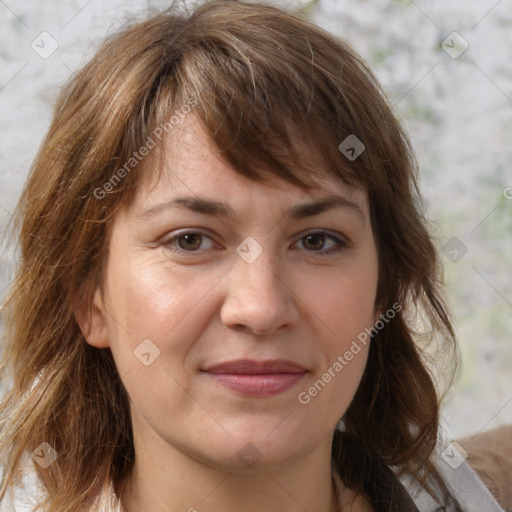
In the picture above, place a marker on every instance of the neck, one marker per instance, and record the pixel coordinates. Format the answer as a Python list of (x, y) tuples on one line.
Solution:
[(185, 484)]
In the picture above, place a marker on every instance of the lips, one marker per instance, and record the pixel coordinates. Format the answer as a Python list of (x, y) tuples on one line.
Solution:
[(254, 367), (253, 378)]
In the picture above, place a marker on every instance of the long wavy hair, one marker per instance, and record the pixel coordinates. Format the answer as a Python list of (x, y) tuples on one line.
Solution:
[(277, 95)]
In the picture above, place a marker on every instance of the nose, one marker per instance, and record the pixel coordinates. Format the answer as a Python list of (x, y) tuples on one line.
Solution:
[(259, 297)]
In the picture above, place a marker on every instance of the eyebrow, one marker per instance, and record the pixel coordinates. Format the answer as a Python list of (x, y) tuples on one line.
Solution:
[(207, 206)]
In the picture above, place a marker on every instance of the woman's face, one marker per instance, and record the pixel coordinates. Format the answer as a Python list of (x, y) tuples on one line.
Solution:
[(203, 260)]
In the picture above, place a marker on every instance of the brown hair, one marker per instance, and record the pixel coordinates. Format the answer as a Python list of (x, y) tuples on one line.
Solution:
[(277, 95)]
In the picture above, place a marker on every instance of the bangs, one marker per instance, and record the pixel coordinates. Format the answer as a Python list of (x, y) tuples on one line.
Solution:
[(270, 109)]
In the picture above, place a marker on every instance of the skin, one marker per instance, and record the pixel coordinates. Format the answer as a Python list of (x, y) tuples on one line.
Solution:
[(201, 307)]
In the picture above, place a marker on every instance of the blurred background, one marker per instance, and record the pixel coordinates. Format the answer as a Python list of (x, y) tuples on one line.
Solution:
[(447, 69)]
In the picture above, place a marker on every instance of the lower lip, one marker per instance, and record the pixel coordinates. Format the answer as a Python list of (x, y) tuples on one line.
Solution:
[(257, 385)]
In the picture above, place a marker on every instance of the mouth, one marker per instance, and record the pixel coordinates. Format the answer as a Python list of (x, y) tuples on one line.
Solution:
[(257, 378)]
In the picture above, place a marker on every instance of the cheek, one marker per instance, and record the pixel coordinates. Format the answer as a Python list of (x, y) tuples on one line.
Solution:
[(343, 303), (148, 299), (342, 315), (342, 307), (345, 314), (158, 313)]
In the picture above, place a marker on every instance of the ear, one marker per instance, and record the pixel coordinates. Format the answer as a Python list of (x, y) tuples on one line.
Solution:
[(92, 322)]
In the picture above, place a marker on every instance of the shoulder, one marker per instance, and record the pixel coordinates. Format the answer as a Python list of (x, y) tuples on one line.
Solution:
[(477, 470), (490, 456)]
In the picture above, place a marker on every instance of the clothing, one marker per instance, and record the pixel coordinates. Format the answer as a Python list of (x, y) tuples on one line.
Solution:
[(465, 486), (463, 482)]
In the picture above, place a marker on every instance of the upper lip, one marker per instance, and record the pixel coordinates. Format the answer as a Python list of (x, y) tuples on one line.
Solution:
[(255, 367)]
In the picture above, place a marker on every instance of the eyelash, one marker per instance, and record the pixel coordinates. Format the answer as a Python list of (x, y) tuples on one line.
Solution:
[(340, 245)]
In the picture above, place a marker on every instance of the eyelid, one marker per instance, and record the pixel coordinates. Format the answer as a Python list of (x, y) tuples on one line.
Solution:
[(340, 240), (168, 241)]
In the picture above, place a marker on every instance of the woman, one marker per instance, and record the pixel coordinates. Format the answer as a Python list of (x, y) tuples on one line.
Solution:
[(224, 273)]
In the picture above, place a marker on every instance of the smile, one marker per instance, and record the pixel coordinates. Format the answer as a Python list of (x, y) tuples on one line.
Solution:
[(249, 377)]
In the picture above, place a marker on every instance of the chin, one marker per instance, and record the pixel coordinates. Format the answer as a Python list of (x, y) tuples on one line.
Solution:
[(256, 451)]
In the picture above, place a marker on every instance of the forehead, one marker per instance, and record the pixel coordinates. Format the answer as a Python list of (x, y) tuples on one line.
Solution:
[(193, 165)]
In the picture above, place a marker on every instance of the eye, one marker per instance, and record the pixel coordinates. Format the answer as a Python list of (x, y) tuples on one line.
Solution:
[(187, 241), (312, 242), (315, 241)]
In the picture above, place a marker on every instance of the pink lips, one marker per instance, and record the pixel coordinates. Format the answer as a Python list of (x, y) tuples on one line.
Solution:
[(257, 378)]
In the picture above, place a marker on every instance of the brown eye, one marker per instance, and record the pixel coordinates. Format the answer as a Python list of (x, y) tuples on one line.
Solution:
[(189, 241), (315, 242)]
